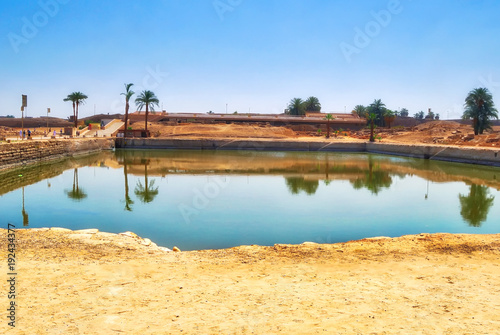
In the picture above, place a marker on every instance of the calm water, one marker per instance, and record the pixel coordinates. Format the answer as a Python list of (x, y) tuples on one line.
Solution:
[(204, 199)]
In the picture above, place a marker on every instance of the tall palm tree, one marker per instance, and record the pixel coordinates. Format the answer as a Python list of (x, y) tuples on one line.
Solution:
[(148, 99), (296, 107), (475, 206), (377, 107), (76, 98), (480, 108), (360, 110), (371, 120), (128, 94), (328, 118), (312, 104)]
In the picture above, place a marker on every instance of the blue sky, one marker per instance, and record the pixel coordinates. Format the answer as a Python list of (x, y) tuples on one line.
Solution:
[(253, 55)]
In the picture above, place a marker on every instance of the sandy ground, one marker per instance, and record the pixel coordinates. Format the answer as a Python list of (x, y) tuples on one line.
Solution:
[(98, 283), (435, 132)]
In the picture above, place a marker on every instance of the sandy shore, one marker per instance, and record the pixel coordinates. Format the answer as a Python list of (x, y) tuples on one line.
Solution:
[(99, 283)]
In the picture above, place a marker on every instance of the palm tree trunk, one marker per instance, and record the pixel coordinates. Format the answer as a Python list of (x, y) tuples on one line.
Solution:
[(76, 115), (327, 128), (371, 131), (146, 119), (126, 120)]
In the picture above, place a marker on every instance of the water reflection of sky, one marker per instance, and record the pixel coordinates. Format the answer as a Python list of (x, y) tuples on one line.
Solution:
[(308, 197)]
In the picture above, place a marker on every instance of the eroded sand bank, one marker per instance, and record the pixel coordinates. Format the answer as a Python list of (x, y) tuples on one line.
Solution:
[(95, 283)]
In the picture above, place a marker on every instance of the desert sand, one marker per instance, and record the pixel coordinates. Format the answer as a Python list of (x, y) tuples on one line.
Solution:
[(90, 282)]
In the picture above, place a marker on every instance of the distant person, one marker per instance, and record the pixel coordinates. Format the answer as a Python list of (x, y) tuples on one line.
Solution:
[(60, 132), (24, 133), (29, 134), (20, 134), (55, 133)]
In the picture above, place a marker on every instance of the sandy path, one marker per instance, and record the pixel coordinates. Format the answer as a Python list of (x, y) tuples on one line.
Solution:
[(72, 283)]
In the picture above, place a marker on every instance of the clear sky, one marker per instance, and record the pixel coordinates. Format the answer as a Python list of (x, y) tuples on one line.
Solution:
[(253, 55)]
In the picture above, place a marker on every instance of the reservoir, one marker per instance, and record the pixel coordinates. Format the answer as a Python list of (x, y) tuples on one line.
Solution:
[(220, 199)]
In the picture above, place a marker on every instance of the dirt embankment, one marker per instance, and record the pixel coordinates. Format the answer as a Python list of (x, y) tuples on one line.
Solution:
[(435, 132), (93, 283)]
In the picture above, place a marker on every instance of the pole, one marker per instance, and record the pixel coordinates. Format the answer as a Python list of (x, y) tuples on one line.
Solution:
[(23, 106), (226, 108), (22, 122)]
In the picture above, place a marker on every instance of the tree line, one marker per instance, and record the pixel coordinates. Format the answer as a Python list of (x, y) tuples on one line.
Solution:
[(479, 107), (145, 99)]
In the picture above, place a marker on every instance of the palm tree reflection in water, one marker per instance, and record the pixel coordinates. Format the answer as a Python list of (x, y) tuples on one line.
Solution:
[(475, 206), (147, 192), (128, 201), (76, 192)]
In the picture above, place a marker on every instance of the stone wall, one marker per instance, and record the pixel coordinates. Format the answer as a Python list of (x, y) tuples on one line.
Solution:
[(474, 155), (22, 153)]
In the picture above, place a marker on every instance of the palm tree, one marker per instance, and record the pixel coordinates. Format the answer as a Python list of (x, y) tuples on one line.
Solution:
[(389, 117), (76, 98), (328, 118), (296, 107), (148, 99), (479, 107), (360, 110), (312, 105), (76, 193), (476, 205), (128, 94), (371, 119), (377, 107)]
